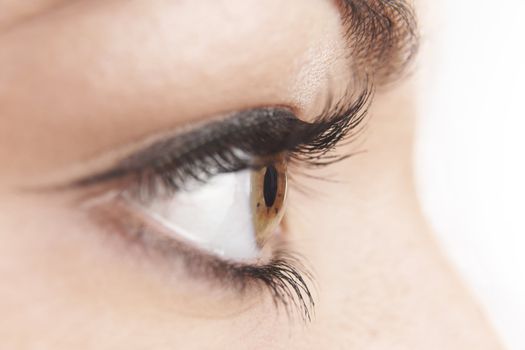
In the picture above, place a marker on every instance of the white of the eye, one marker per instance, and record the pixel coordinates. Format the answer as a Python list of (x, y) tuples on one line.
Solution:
[(216, 216)]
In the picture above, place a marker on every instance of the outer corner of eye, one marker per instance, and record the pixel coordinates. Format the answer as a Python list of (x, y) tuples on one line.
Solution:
[(233, 215)]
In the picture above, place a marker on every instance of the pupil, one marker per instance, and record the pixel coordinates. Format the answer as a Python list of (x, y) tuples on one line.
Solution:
[(270, 185)]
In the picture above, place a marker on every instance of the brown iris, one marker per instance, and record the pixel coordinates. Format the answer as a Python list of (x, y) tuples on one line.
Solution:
[(268, 199)]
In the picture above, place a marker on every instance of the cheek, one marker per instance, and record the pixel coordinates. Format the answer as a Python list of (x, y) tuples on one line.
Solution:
[(64, 284), (13, 12)]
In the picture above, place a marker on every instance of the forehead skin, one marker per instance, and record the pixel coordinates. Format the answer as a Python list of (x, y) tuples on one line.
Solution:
[(79, 78)]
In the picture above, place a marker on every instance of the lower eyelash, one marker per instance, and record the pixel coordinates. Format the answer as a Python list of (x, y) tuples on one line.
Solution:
[(285, 276), (288, 280)]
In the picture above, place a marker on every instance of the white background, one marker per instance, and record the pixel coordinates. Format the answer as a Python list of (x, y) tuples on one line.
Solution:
[(471, 148)]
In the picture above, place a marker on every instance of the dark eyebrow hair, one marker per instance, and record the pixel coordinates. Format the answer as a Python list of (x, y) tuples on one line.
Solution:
[(383, 37)]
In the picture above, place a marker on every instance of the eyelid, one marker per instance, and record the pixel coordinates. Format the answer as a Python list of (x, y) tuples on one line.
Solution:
[(241, 137), (283, 272), (247, 139)]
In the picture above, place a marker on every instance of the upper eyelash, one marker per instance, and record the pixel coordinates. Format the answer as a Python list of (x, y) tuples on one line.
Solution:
[(248, 139), (336, 124)]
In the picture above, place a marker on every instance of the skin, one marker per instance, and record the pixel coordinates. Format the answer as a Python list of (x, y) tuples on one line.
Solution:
[(82, 80)]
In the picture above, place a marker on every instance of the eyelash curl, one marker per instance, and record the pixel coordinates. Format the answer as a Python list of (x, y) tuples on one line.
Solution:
[(248, 140)]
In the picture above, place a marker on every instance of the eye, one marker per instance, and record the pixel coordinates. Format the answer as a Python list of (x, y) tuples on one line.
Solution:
[(211, 198), (232, 215)]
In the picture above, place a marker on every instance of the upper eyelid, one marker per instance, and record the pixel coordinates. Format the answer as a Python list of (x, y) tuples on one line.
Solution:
[(182, 145), (267, 132)]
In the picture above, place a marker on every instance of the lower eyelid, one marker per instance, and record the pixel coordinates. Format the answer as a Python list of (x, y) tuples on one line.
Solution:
[(284, 278)]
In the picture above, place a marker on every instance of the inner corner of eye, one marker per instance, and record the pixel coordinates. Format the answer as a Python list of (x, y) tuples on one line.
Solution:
[(233, 215)]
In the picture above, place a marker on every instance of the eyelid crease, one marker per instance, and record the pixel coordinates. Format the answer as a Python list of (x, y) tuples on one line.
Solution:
[(247, 139)]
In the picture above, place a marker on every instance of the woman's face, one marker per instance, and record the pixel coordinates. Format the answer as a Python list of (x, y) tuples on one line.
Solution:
[(139, 141)]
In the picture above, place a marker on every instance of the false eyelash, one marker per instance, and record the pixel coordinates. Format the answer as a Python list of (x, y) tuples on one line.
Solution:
[(331, 129)]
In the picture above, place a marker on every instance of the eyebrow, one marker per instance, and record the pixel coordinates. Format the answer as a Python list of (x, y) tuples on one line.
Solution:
[(382, 36)]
